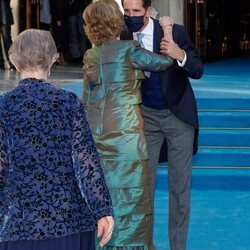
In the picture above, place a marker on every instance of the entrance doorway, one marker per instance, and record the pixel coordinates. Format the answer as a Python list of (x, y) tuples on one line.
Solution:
[(28, 14), (194, 21), (219, 28)]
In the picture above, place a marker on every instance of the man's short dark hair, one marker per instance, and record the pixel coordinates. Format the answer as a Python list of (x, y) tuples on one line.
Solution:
[(145, 3)]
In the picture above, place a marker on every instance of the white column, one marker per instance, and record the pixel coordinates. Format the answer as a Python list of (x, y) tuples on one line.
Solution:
[(15, 9)]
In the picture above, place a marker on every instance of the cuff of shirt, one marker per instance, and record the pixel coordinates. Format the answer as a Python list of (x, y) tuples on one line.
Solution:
[(181, 64)]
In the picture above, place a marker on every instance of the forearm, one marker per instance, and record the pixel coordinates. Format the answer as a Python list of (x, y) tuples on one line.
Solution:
[(149, 61)]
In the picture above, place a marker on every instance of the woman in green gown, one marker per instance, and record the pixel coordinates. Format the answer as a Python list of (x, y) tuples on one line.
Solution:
[(112, 79)]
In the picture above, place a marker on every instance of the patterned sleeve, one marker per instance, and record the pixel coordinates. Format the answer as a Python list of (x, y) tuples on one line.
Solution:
[(86, 87), (3, 158), (87, 166), (86, 91)]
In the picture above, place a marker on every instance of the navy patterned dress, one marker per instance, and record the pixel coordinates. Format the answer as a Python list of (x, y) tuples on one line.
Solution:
[(52, 188)]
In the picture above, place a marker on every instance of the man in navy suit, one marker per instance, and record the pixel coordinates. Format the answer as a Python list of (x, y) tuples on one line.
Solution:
[(169, 110)]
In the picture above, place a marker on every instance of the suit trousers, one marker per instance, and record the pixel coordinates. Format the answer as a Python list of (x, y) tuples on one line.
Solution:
[(78, 42), (163, 125)]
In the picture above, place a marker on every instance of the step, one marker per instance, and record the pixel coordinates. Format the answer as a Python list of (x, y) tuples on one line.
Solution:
[(223, 103), (224, 119), (211, 179), (220, 158), (224, 137)]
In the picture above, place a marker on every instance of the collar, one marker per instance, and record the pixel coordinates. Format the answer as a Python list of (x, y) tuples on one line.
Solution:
[(30, 81), (148, 30)]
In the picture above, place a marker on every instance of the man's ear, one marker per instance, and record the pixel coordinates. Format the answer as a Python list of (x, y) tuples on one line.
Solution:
[(149, 12)]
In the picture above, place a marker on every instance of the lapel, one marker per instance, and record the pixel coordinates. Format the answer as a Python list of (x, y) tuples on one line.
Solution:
[(157, 36)]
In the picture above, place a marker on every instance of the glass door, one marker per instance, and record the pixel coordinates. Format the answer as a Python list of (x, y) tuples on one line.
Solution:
[(28, 14), (195, 23)]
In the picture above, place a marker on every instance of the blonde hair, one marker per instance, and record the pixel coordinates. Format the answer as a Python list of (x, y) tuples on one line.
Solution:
[(103, 20), (33, 50)]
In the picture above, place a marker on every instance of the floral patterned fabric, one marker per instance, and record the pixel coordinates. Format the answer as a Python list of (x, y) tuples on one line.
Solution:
[(51, 182)]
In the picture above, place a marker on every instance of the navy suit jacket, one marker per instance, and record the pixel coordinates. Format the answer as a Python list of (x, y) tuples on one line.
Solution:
[(175, 80)]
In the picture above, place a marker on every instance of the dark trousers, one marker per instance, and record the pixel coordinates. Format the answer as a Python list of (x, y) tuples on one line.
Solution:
[(60, 35), (162, 125), (78, 41), (6, 41), (44, 26)]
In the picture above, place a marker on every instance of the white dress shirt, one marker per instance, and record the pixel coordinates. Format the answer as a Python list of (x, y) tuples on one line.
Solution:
[(147, 32)]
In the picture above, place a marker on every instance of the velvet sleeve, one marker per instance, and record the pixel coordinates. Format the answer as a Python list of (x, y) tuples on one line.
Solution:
[(3, 158), (87, 167)]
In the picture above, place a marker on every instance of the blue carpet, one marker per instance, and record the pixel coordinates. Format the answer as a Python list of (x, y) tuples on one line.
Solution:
[(224, 85), (76, 87), (240, 103), (225, 137), (221, 158), (221, 119), (220, 210), (229, 70)]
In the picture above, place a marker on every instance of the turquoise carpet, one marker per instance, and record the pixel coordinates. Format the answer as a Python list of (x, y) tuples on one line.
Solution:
[(220, 210)]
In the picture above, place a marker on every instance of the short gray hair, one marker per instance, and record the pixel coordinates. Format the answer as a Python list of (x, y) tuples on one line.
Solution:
[(33, 50)]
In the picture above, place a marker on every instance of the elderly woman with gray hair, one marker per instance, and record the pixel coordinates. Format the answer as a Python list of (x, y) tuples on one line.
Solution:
[(52, 189)]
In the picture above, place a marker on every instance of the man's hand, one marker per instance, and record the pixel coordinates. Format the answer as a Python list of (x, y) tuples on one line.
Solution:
[(170, 48), (105, 229)]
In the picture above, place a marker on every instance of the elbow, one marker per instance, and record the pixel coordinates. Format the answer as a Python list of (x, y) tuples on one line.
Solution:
[(197, 73)]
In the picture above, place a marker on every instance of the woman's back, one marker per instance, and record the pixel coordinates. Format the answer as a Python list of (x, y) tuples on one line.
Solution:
[(41, 196), (114, 94)]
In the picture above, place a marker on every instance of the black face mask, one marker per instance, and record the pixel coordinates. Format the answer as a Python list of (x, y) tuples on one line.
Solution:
[(134, 23)]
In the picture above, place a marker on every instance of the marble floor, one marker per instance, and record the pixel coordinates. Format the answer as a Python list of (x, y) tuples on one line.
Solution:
[(60, 75)]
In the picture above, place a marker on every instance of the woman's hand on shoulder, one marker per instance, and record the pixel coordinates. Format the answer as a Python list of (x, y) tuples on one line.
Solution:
[(105, 227)]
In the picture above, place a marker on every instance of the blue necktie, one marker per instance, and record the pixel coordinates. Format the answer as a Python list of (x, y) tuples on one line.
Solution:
[(140, 36)]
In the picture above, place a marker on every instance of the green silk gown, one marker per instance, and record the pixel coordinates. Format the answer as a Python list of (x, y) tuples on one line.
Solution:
[(112, 79)]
